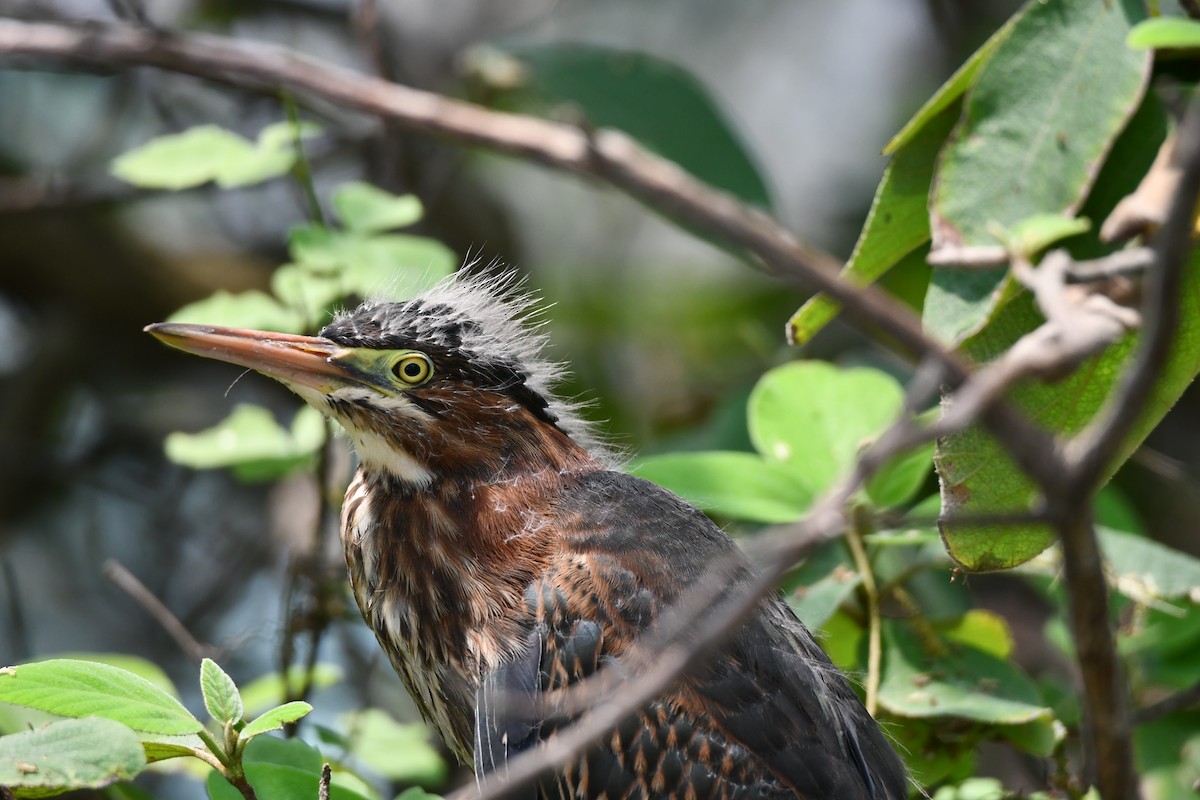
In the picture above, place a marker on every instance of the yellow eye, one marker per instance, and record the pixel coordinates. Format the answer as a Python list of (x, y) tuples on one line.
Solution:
[(413, 368)]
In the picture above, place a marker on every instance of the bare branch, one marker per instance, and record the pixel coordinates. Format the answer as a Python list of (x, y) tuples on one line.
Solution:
[(127, 582), (1089, 456)]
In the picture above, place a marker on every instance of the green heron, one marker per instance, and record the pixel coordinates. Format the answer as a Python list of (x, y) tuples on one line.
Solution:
[(496, 551)]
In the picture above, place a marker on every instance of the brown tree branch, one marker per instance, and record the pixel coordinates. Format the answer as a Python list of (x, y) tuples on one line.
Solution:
[(1089, 455), (609, 156), (127, 582)]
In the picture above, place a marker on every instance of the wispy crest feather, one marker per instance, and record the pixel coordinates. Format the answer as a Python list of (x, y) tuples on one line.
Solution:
[(493, 318)]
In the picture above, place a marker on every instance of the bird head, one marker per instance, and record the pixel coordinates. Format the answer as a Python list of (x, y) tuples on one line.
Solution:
[(451, 384)]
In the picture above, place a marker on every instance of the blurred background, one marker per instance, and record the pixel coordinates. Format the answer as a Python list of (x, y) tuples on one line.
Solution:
[(665, 334)]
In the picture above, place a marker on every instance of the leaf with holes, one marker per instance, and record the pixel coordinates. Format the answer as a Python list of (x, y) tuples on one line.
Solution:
[(1040, 119), (69, 754)]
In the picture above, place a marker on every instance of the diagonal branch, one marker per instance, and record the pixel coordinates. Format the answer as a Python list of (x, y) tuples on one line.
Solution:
[(607, 156)]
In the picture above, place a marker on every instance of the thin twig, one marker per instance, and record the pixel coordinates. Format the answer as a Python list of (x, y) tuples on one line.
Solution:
[(1121, 264), (1180, 701), (127, 582)]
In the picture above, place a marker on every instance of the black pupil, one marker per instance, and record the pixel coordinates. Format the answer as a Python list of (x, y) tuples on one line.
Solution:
[(412, 370)]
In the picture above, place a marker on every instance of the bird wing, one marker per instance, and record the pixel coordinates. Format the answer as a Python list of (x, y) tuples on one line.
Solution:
[(766, 716)]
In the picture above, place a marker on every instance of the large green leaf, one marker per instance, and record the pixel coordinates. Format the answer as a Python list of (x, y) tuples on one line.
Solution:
[(977, 476), (85, 688), (69, 754), (656, 102), (1144, 569), (280, 768), (738, 485), (1044, 111), (956, 681), (897, 223), (816, 418)]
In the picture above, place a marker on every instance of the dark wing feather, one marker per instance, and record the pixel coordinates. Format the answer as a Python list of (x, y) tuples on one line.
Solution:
[(767, 716), (505, 723), (770, 688)]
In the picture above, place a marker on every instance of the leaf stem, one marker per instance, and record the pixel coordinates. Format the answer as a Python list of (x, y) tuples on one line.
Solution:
[(215, 748), (302, 170), (854, 538)]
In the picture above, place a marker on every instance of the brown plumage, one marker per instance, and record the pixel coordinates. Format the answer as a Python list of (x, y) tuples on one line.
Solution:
[(497, 554)]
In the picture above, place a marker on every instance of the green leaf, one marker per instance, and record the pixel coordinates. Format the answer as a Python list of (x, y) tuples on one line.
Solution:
[(900, 477), (221, 696), (265, 692), (182, 160), (69, 754), (380, 266), (1037, 124), (897, 224), (160, 747), (209, 153), (816, 418), (252, 309), (84, 688), (276, 718), (817, 601), (738, 485), (369, 209), (977, 476), (654, 101), (841, 641), (280, 768), (1144, 568), (1034, 234), (959, 682), (953, 88), (1168, 756), (932, 754), (1165, 33), (982, 630), (251, 442), (138, 666), (397, 752)]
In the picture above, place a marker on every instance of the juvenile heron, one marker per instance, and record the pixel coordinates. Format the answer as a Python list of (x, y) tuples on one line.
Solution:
[(496, 553)]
